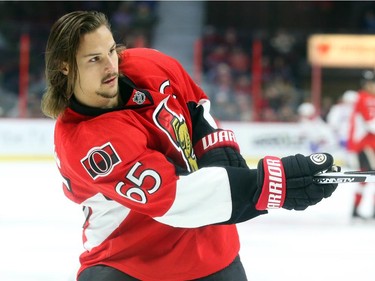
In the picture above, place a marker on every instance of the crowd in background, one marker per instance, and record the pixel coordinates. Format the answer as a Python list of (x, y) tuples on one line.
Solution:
[(227, 67), (227, 59)]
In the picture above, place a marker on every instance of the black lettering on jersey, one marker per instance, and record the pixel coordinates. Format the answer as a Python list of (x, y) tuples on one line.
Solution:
[(175, 127), (99, 161)]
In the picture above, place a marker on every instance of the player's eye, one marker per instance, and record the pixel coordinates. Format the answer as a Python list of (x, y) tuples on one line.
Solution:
[(94, 59)]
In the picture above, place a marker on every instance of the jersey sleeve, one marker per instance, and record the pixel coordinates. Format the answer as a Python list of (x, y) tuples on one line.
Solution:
[(123, 169), (213, 195)]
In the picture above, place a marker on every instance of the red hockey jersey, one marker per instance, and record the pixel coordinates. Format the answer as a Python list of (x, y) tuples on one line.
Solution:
[(362, 123), (120, 165)]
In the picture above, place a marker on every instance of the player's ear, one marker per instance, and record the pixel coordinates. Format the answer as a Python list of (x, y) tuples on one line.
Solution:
[(65, 68)]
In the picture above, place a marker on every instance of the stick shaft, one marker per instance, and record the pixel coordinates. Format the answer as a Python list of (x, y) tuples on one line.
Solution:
[(345, 177)]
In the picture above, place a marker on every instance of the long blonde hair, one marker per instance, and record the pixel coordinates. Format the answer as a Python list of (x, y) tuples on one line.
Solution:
[(62, 45)]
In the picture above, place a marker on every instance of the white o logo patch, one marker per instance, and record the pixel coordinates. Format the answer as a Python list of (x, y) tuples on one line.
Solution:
[(318, 158)]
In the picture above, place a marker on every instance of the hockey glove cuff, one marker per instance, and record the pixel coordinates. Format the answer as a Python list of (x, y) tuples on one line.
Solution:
[(218, 138), (212, 146), (288, 182), (219, 149)]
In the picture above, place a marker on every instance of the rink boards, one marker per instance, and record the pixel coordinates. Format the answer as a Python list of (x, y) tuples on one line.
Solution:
[(32, 139)]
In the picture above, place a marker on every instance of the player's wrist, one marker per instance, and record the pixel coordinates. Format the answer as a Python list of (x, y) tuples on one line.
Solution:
[(216, 139)]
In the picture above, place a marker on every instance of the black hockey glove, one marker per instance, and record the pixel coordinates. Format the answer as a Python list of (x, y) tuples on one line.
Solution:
[(288, 182), (213, 146)]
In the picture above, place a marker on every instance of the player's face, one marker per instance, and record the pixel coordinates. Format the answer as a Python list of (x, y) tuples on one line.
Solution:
[(97, 62)]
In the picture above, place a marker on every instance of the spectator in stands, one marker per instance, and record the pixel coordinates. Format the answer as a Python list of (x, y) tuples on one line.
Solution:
[(239, 62), (231, 39), (122, 20), (279, 95), (217, 56), (210, 39), (242, 94), (224, 106), (144, 22)]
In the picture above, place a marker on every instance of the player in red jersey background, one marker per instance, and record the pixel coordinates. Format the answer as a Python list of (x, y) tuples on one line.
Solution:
[(161, 186), (362, 134)]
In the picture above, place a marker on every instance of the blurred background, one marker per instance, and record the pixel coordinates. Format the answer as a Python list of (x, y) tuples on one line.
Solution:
[(251, 57)]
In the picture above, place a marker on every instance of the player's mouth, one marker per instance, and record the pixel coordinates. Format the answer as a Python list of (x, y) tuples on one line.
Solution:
[(110, 80)]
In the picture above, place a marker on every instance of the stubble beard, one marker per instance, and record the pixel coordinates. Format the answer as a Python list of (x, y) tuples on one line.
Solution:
[(111, 93), (108, 95)]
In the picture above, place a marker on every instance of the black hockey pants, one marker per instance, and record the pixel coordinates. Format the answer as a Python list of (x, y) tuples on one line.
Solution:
[(233, 272)]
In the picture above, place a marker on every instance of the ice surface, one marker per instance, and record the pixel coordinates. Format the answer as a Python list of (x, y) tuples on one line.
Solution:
[(40, 234)]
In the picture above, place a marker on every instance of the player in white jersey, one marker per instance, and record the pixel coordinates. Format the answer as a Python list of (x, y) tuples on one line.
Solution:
[(338, 119)]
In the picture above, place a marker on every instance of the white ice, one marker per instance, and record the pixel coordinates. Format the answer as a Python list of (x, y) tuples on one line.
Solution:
[(40, 234)]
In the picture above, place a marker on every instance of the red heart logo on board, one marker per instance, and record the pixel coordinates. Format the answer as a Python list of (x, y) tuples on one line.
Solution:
[(323, 48)]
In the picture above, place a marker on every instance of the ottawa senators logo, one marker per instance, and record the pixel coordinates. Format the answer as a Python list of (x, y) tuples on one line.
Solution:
[(100, 161), (176, 129)]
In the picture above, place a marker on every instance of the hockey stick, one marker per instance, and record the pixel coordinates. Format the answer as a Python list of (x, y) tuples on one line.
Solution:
[(345, 177)]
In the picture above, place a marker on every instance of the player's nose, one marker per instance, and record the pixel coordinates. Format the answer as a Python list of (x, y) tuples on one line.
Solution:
[(110, 65)]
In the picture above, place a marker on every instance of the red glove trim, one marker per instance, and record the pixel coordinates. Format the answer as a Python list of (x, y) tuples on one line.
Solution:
[(274, 186), (216, 139)]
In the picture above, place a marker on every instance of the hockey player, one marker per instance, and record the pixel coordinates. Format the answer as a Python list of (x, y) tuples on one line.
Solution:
[(338, 118), (315, 130), (362, 134), (161, 186)]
